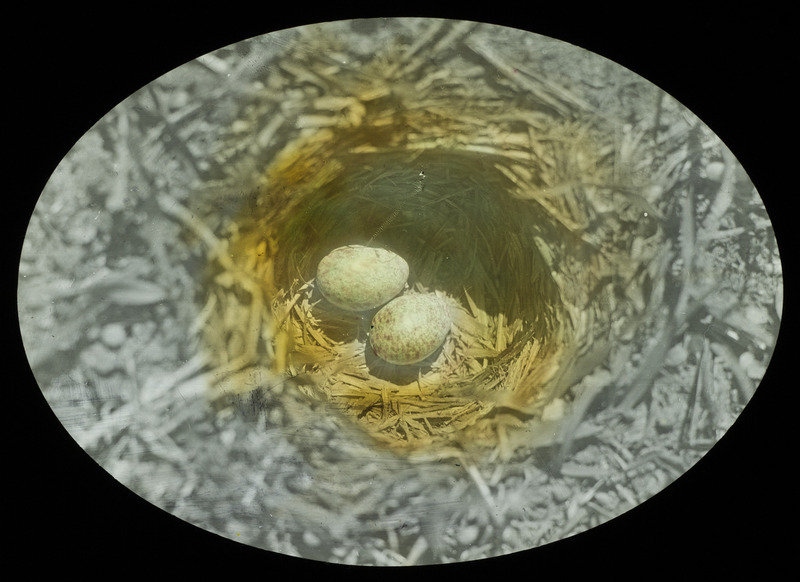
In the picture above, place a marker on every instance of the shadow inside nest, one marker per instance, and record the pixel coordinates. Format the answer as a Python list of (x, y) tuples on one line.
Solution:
[(396, 373), (338, 325)]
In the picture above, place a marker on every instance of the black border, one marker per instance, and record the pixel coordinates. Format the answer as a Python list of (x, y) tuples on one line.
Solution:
[(732, 512)]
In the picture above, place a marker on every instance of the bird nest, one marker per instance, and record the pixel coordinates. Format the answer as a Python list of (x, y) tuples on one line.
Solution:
[(514, 215), (611, 273)]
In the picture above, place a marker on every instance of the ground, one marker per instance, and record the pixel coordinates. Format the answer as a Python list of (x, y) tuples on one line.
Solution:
[(122, 315)]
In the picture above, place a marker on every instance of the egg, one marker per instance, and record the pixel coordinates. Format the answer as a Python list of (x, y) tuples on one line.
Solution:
[(359, 278), (410, 328)]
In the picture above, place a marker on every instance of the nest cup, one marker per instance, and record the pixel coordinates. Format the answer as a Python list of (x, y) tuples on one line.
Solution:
[(491, 205)]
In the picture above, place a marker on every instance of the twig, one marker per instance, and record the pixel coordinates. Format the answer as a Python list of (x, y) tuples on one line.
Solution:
[(526, 82), (724, 196), (413, 64), (122, 158), (174, 137), (743, 381), (686, 433), (484, 490), (176, 210)]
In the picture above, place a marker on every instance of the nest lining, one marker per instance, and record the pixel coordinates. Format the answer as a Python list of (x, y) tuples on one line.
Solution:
[(468, 237)]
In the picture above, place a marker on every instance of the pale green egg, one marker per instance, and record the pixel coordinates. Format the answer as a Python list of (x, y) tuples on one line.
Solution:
[(360, 278), (410, 328)]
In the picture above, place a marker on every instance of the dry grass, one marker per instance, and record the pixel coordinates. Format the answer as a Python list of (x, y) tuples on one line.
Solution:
[(609, 322), (501, 212)]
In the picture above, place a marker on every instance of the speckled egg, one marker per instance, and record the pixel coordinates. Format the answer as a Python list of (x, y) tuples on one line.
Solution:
[(359, 278), (410, 328)]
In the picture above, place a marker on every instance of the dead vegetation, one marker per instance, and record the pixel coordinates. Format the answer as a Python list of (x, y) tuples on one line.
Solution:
[(611, 273)]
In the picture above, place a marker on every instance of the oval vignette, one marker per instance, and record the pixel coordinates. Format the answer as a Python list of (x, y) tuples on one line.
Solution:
[(707, 490)]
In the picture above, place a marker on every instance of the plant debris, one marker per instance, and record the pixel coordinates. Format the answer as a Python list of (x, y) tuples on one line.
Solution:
[(610, 271)]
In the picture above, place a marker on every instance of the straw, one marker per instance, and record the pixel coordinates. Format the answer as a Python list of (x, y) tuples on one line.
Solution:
[(514, 216)]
